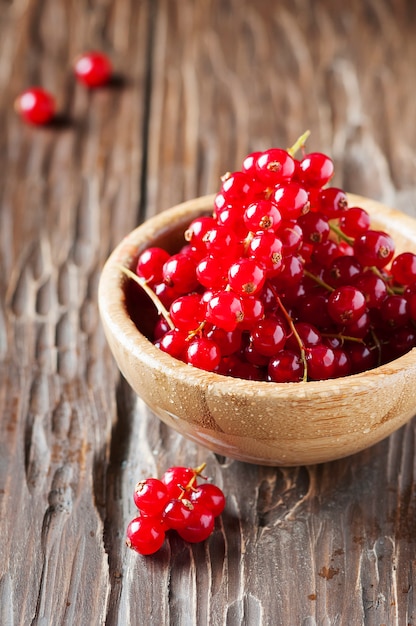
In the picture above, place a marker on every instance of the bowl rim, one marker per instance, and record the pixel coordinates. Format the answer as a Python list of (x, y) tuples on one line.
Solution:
[(117, 322)]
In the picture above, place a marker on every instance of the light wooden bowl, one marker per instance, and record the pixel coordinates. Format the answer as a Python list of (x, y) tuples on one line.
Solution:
[(257, 422)]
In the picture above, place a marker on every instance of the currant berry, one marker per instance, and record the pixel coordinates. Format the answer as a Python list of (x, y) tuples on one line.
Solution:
[(186, 312), (355, 222), (321, 362), (36, 106), (346, 304), (150, 496), (274, 166), (316, 169), (286, 367), (262, 215), (246, 277), (179, 272), (177, 513), (199, 526), (203, 353), (374, 248), (150, 264), (225, 310), (210, 496), (292, 200), (177, 478), (93, 69), (145, 535), (403, 268), (333, 202), (268, 336), (174, 343)]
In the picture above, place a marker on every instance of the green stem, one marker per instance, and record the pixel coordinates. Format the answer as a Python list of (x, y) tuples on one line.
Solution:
[(299, 143), (318, 280), (156, 301), (294, 331), (336, 229)]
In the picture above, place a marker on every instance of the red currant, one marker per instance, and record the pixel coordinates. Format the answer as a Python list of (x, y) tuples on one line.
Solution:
[(36, 106), (145, 535), (93, 69), (210, 496), (150, 496), (199, 526)]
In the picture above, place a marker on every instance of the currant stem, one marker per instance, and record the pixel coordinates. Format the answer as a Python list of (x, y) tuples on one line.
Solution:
[(161, 309), (295, 333), (377, 272), (299, 143), (318, 280), (197, 472), (336, 229)]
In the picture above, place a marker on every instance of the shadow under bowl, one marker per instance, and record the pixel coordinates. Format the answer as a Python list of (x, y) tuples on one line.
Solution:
[(265, 423)]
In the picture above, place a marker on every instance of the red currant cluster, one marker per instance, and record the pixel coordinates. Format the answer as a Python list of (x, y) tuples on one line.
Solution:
[(178, 502), (37, 106), (284, 281)]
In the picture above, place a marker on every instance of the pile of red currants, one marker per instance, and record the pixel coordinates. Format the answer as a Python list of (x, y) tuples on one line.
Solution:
[(178, 501), (283, 281)]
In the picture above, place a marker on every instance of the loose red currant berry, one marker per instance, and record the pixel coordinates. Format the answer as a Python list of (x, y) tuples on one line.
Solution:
[(93, 69), (177, 478), (210, 496), (177, 513), (36, 106), (145, 535), (150, 496), (200, 525)]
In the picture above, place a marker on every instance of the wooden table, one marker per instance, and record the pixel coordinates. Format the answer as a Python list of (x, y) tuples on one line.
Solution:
[(198, 85)]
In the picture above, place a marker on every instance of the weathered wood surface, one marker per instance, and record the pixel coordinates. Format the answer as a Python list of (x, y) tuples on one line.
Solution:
[(201, 84)]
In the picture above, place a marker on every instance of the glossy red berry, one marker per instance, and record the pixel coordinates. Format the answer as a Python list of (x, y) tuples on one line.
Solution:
[(145, 535), (203, 353), (286, 367), (150, 496), (210, 496), (199, 526), (150, 264), (225, 310), (93, 69), (274, 166), (374, 248), (36, 106), (346, 304), (177, 478), (403, 268), (177, 513), (316, 169)]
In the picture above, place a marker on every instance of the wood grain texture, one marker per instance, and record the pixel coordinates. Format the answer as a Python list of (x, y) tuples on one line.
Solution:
[(201, 84)]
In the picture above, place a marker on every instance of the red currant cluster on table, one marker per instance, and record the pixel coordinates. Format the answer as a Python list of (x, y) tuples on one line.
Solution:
[(178, 501), (37, 106), (284, 281)]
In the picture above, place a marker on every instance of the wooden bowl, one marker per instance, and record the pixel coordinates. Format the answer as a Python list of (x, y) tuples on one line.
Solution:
[(258, 422)]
